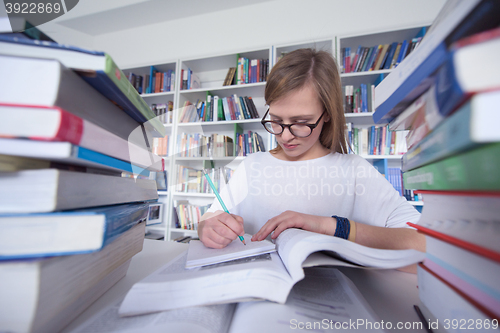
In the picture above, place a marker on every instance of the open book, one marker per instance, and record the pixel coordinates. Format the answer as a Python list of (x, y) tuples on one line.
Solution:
[(268, 276), (325, 300)]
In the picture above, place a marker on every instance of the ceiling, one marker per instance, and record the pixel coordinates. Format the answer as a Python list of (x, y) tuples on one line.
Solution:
[(96, 17)]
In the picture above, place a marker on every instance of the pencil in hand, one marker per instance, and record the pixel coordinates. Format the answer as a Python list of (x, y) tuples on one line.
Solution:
[(220, 200)]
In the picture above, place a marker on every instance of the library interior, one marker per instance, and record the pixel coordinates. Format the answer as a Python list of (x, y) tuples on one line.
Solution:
[(249, 166)]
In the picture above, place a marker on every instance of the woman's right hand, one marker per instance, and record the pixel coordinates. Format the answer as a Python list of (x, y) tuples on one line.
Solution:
[(218, 229)]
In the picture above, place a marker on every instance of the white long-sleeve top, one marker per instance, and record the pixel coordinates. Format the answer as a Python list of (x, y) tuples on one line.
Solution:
[(345, 185)]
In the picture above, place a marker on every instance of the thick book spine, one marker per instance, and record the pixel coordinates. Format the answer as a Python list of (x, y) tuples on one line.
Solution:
[(472, 170)]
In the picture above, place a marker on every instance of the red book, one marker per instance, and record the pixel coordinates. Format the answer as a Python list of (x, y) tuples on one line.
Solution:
[(55, 124)]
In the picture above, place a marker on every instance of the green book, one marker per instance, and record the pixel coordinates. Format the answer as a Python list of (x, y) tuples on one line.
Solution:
[(476, 170)]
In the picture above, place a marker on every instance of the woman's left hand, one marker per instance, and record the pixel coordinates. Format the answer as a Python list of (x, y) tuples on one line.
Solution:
[(290, 219)]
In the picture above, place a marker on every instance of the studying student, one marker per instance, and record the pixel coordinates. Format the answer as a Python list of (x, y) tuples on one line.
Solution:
[(309, 181)]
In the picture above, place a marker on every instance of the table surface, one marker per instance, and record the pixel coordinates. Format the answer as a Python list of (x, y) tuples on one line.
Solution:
[(390, 293)]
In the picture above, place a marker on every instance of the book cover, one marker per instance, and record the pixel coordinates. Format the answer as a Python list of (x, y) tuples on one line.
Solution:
[(66, 233)]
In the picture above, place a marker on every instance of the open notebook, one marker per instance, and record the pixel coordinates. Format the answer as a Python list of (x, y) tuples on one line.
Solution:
[(199, 255)]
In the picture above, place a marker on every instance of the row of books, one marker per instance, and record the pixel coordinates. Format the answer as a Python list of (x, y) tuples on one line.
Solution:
[(161, 146), (251, 70), (376, 140), (189, 80), (199, 145), (188, 215), (191, 180), (449, 104), (74, 180), (154, 82), (164, 111), (248, 143), (382, 56), (359, 99), (216, 108)]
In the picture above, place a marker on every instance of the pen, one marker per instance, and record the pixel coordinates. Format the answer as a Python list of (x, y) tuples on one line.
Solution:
[(422, 318), (220, 199)]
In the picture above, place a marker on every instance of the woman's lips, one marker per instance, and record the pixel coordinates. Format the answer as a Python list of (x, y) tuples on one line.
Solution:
[(289, 146)]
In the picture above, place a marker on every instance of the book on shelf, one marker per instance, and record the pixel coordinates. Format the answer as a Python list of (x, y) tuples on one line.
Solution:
[(47, 190), (198, 255), (188, 215), (98, 69), (164, 111), (31, 154), (56, 124), (248, 143), (309, 301), (269, 276), (161, 178), (66, 233), (199, 145), (251, 70), (473, 124), (229, 77), (46, 294), (475, 169), (161, 146), (54, 85), (414, 75), (376, 140), (359, 99), (190, 180), (471, 68)]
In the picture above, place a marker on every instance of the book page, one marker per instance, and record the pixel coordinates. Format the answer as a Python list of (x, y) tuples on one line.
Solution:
[(200, 255), (295, 245), (173, 286), (326, 300), (206, 319)]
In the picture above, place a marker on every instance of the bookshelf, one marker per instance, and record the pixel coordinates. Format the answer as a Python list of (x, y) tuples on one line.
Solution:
[(169, 95), (209, 76)]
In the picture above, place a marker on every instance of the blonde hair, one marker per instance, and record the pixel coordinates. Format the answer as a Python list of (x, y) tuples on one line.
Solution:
[(318, 68)]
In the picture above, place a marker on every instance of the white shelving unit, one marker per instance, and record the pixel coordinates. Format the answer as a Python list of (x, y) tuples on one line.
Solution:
[(211, 71)]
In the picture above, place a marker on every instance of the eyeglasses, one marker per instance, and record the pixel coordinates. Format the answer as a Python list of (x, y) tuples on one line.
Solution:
[(299, 130)]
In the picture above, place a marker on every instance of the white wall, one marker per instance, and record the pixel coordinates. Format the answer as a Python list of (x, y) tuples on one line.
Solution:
[(259, 25)]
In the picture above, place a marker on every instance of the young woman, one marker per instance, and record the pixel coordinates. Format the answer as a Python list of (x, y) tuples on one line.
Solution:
[(309, 181)]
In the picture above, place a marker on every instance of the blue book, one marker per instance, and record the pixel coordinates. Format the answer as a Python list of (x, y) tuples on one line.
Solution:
[(473, 124), (97, 68), (390, 55), (66, 233), (65, 152), (409, 80)]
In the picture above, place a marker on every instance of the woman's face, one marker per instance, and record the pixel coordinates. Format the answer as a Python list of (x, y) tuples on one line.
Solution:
[(301, 106)]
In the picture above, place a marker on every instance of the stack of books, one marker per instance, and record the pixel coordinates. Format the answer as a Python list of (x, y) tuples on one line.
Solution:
[(449, 99), (74, 180)]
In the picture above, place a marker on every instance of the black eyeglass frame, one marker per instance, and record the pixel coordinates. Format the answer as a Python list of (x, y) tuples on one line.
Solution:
[(289, 126)]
